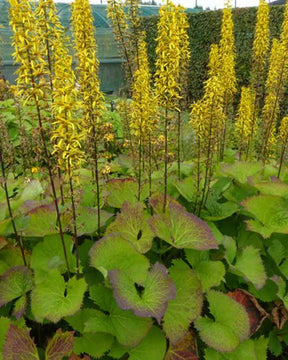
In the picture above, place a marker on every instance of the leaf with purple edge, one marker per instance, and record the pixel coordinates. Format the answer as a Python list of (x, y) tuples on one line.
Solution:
[(187, 305), (112, 252), (19, 345), (60, 345), (241, 170), (120, 190), (4, 327), (131, 224), (15, 283), (42, 221), (182, 229), (151, 300)]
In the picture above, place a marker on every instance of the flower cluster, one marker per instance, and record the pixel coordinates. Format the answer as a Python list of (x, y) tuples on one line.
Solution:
[(168, 57), (245, 125), (68, 128), (144, 106), (88, 64), (227, 54), (260, 44)]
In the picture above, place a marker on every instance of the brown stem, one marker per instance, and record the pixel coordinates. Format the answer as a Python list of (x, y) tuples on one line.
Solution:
[(282, 158), (165, 159), (75, 237), (178, 144), (10, 210), (96, 175)]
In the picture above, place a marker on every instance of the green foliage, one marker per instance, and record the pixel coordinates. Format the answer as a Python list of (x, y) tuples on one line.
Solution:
[(230, 326), (187, 305), (113, 252), (53, 298)]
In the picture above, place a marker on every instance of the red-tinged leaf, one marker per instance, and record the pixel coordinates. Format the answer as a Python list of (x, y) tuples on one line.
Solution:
[(279, 314), (3, 242), (184, 349), (255, 312), (19, 345), (61, 345)]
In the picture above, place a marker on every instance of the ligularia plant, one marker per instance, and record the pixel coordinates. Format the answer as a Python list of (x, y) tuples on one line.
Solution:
[(87, 70)]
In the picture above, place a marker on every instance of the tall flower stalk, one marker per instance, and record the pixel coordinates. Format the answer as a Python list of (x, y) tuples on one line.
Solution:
[(87, 71), (283, 140), (260, 50), (67, 133), (31, 81), (276, 80), (144, 110), (208, 121), (167, 71), (227, 68), (245, 123), (184, 45)]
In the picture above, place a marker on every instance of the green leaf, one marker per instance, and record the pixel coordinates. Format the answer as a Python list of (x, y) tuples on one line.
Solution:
[(15, 283), (87, 223), (117, 350), (4, 327), (270, 213), (267, 293), (95, 345), (19, 345), (113, 252), (210, 273), (182, 229), (10, 258), (119, 191), (152, 299), (219, 211), (128, 329), (250, 264), (54, 299), (132, 225), (187, 305), (276, 188), (153, 347), (59, 346), (20, 307), (42, 221), (277, 251), (194, 257), (248, 350), (48, 254), (31, 191), (241, 170), (233, 323), (78, 320), (186, 188)]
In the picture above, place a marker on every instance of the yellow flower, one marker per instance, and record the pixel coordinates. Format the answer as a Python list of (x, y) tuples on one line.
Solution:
[(144, 115), (168, 57), (34, 170), (261, 41), (245, 124)]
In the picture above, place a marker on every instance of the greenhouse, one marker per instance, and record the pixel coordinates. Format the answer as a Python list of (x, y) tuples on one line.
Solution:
[(110, 73)]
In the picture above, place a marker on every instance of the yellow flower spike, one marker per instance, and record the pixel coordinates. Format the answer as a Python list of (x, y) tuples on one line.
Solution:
[(245, 124), (168, 57), (275, 84), (261, 43)]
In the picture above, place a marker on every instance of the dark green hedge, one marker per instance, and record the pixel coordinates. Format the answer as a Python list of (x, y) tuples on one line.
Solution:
[(205, 30)]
